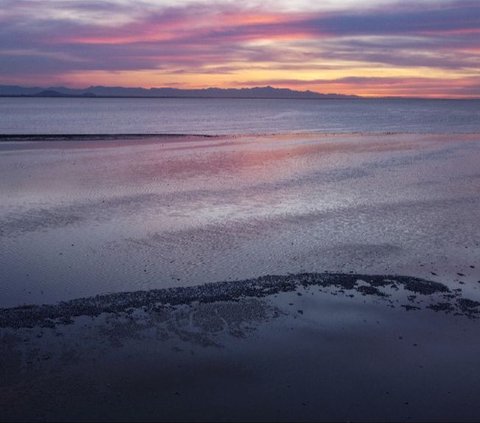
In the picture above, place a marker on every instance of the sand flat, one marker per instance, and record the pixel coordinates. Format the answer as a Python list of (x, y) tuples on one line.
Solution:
[(342, 278)]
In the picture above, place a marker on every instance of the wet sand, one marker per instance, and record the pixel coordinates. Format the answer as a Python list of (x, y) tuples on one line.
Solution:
[(86, 217), (240, 278)]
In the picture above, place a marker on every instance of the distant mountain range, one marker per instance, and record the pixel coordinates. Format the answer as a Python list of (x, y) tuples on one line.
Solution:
[(99, 91)]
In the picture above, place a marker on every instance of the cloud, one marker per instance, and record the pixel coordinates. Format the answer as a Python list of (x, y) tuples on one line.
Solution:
[(191, 39)]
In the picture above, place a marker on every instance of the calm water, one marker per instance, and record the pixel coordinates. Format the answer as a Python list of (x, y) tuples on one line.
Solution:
[(234, 116)]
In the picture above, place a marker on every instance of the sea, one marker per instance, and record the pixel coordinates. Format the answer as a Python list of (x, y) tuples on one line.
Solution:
[(235, 116)]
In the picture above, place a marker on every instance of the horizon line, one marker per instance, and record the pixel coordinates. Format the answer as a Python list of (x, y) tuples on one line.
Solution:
[(335, 96)]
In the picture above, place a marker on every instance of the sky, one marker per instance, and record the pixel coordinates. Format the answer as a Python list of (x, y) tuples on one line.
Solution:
[(428, 48)]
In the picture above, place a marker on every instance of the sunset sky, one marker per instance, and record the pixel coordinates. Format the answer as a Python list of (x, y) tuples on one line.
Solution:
[(427, 48)]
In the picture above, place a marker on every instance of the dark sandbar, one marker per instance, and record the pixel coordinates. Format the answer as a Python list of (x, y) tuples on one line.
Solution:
[(63, 312)]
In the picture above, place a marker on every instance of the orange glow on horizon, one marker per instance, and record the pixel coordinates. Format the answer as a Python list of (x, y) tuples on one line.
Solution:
[(397, 87)]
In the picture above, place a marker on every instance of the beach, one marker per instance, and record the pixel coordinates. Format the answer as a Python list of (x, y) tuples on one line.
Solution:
[(288, 276)]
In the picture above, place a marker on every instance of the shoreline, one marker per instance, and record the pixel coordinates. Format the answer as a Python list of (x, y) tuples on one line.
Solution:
[(96, 137), (14, 137)]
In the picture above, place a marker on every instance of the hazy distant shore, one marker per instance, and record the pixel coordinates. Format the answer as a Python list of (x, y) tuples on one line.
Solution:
[(126, 92)]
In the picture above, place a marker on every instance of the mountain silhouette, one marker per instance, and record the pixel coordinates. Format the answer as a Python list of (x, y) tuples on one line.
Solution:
[(102, 91)]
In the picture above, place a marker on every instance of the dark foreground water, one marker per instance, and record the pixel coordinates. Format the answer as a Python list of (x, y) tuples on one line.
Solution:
[(234, 116), (316, 347)]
